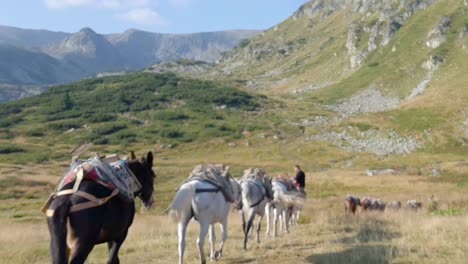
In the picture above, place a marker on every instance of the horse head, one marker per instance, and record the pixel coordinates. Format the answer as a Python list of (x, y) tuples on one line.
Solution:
[(268, 186), (236, 193), (143, 171)]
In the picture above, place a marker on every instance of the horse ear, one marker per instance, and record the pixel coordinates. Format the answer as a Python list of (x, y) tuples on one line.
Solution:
[(149, 159), (132, 155)]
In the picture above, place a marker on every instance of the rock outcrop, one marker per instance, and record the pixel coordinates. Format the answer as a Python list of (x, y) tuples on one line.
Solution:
[(437, 35), (367, 101), (372, 141)]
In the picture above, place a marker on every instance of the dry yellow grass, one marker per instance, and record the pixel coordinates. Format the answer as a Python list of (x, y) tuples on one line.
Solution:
[(326, 235)]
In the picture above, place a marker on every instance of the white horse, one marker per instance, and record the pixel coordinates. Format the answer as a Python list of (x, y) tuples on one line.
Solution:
[(296, 211), (283, 201), (256, 193), (205, 202)]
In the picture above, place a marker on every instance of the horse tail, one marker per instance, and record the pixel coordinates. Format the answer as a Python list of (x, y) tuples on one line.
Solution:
[(181, 206), (57, 222), (292, 198)]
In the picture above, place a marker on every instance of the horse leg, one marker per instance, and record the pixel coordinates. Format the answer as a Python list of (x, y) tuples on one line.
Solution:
[(114, 247), (267, 215), (298, 215), (81, 250), (248, 227), (242, 216), (86, 237), (212, 241), (293, 216), (259, 226), (201, 240), (285, 215), (181, 230), (224, 236), (275, 220)]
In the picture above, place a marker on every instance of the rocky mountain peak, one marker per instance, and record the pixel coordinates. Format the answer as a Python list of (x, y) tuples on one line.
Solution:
[(386, 9), (88, 31)]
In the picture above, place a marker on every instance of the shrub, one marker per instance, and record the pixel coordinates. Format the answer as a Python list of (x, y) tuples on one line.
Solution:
[(171, 133), (34, 133), (10, 149), (107, 129), (65, 125), (170, 115)]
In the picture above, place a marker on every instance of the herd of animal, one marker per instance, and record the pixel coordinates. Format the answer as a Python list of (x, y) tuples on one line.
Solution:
[(352, 203), (255, 194), (87, 209), (90, 208)]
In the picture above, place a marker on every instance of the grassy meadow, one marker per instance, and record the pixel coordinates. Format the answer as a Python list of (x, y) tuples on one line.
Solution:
[(325, 234), (186, 122)]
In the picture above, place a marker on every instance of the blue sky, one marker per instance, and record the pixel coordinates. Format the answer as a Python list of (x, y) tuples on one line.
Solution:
[(168, 16)]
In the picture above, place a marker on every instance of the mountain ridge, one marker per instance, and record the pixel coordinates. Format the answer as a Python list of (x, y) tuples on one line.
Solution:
[(86, 53)]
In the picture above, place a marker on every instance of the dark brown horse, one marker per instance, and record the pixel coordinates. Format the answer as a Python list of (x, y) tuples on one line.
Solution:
[(351, 203), (74, 234)]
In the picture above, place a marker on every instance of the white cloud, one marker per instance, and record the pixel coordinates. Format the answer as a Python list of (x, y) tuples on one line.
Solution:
[(142, 16), (106, 4), (110, 4), (140, 12), (59, 4), (139, 2), (180, 3)]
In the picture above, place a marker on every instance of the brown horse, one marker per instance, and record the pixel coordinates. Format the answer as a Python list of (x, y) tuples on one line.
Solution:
[(351, 203), (74, 234)]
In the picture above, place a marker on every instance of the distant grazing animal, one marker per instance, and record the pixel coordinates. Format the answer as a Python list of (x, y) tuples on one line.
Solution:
[(369, 204), (413, 205), (366, 203), (351, 203), (256, 193), (208, 204), (393, 206), (94, 216), (378, 204)]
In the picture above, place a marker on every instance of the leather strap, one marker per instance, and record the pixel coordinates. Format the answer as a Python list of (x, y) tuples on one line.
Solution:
[(263, 194), (93, 201)]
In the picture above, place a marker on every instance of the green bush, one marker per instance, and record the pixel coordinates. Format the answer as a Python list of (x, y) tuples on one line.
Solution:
[(10, 149), (65, 125), (164, 98), (107, 129), (35, 133), (171, 133), (170, 115)]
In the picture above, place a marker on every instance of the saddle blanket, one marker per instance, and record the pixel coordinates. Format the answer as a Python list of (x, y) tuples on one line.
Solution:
[(114, 175)]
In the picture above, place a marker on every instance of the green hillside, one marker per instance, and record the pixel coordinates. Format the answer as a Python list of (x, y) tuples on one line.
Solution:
[(356, 73), (121, 111)]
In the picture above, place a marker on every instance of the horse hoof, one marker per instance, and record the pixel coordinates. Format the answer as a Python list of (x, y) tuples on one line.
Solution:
[(218, 255)]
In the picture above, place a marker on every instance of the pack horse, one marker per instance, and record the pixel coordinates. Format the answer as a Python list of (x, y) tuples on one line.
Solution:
[(256, 193), (94, 204), (206, 196)]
